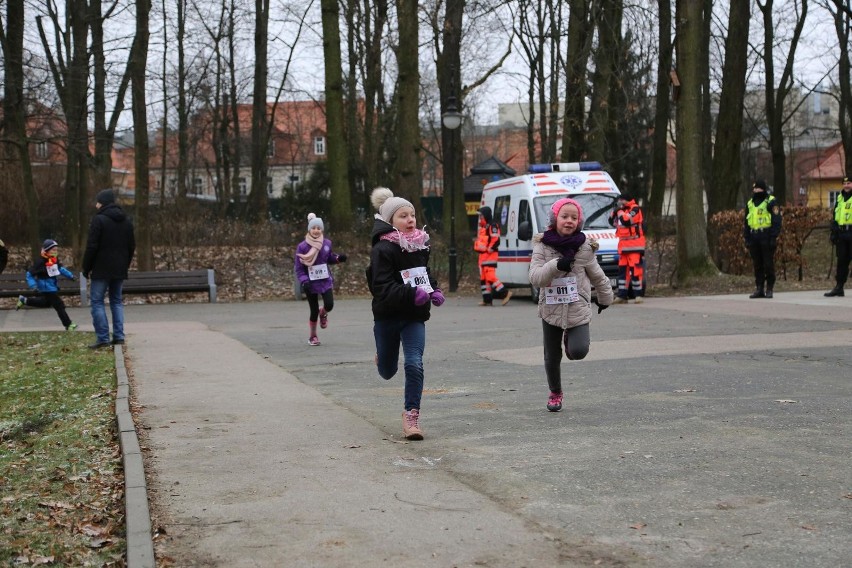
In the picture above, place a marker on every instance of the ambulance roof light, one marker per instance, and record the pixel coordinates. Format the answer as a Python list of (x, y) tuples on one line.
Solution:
[(565, 167)]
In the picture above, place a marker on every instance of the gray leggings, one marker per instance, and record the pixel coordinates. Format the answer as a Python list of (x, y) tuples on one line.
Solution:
[(577, 341)]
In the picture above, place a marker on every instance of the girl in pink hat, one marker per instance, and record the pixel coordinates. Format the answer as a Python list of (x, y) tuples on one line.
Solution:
[(564, 267)]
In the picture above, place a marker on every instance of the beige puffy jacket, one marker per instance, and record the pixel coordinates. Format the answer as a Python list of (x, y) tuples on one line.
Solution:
[(587, 271)]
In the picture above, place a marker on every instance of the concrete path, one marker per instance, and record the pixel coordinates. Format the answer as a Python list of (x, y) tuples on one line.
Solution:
[(699, 432)]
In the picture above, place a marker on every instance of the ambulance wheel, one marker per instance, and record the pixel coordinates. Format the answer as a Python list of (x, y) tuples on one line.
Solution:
[(534, 292)]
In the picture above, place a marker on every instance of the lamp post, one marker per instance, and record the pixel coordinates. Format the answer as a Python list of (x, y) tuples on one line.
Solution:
[(452, 119)]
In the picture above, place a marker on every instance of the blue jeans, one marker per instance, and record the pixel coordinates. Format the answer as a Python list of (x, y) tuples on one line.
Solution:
[(97, 292), (412, 334)]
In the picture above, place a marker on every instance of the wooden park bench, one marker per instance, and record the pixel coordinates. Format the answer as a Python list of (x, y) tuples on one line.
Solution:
[(155, 282)]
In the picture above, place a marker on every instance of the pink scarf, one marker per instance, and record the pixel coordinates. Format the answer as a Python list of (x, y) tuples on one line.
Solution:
[(310, 257), (409, 242)]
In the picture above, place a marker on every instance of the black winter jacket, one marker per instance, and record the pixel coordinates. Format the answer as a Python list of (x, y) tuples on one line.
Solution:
[(110, 246), (392, 299)]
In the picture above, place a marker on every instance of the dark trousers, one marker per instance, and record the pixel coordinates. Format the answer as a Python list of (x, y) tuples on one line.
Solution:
[(313, 303), (843, 248), (50, 300), (576, 340), (762, 251)]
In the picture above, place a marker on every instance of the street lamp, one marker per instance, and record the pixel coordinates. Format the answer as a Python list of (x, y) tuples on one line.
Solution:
[(452, 119)]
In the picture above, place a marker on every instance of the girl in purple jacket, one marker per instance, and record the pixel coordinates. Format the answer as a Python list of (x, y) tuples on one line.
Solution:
[(313, 257)]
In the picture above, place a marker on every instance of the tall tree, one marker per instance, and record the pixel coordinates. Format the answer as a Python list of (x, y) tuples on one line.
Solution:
[(68, 61), (842, 16), (14, 131), (659, 155), (449, 80), (138, 61), (576, 62), (693, 256), (104, 130), (726, 179), (607, 58), (258, 199), (338, 162), (407, 174), (776, 96)]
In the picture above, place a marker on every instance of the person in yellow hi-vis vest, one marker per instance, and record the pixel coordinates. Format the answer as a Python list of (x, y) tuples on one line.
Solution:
[(841, 236), (762, 227)]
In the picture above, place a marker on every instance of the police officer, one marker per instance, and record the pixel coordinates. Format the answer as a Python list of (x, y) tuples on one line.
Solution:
[(762, 227), (841, 236)]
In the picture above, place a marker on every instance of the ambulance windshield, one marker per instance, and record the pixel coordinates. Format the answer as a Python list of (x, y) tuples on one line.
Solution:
[(596, 208)]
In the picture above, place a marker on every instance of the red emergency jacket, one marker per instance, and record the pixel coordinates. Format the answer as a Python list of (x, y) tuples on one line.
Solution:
[(487, 243), (629, 228)]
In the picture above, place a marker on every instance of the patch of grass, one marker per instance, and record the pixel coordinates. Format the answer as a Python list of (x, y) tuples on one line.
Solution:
[(60, 469)]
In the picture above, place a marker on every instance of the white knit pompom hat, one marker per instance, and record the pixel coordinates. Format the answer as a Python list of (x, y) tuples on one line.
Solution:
[(314, 221), (387, 204)]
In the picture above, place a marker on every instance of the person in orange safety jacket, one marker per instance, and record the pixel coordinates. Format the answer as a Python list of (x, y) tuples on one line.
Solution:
[(487, 243), (630, 231)]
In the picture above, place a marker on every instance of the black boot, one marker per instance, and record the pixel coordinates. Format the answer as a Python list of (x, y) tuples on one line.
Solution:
[(758, 293), (768, 293), (836, 291)]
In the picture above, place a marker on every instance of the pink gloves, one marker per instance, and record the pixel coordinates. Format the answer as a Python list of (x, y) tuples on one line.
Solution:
[(437, 298), (421, 296)]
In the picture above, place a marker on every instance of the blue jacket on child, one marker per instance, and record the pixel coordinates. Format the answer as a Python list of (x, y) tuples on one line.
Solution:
[(39, 279)]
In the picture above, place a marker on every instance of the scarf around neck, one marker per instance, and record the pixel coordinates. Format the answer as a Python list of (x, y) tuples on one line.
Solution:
[(566, 246), (409, 242), (310, 257)]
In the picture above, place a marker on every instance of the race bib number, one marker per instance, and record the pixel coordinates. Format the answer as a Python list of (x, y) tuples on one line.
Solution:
[(318, 271), (53, 270), (417, 278), (562, 291)]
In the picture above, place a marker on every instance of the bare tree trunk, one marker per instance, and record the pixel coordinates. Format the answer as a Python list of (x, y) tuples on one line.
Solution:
[(258, 201), (606, 59), (449, 81), (15, 110), (776, 96), (338, 163), (69, 66), (138, 61), (726, 179), (842, 17), (692, 250), (104, 132), (182, 110), (659, 159), (577, 60)]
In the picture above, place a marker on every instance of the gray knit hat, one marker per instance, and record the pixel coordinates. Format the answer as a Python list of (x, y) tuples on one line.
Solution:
[(314, 221), (386, 203), (105, 197)]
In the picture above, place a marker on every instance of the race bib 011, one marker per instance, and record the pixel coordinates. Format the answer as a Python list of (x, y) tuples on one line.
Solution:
[(562, 291)]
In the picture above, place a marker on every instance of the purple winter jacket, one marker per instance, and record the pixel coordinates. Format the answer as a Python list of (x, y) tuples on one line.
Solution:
[(324, 256)]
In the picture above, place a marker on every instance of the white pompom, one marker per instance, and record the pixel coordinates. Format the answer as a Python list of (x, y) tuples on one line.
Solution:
[(379, 196), (311, 216)]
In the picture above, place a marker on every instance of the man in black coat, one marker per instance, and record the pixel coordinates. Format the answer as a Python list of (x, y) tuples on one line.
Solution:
[(109, 251)]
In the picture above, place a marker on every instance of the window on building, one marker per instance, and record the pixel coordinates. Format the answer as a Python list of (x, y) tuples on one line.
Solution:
[(243, 186), (41, 150), (197, 185), (319, 145), (269, 187), (270, 149), (832, 199)]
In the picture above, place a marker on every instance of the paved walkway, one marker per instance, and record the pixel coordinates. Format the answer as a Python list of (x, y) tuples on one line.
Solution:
[(699, 432)]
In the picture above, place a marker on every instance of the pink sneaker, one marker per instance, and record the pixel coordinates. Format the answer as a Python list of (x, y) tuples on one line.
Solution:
[(554, 402), (314, 340), (411, 424), (323, 317)]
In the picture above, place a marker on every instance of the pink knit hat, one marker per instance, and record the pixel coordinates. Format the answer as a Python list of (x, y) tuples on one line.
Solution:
[(560, 203)]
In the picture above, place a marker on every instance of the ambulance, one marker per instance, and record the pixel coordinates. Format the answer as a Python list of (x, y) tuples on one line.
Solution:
[(521, 204)]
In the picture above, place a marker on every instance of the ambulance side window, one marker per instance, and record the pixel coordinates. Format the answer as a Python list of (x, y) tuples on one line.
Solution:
[(524, 216), (501, 213)]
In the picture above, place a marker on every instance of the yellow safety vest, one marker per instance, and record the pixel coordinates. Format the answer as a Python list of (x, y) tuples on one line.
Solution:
[(843, 210), (758, 215)]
